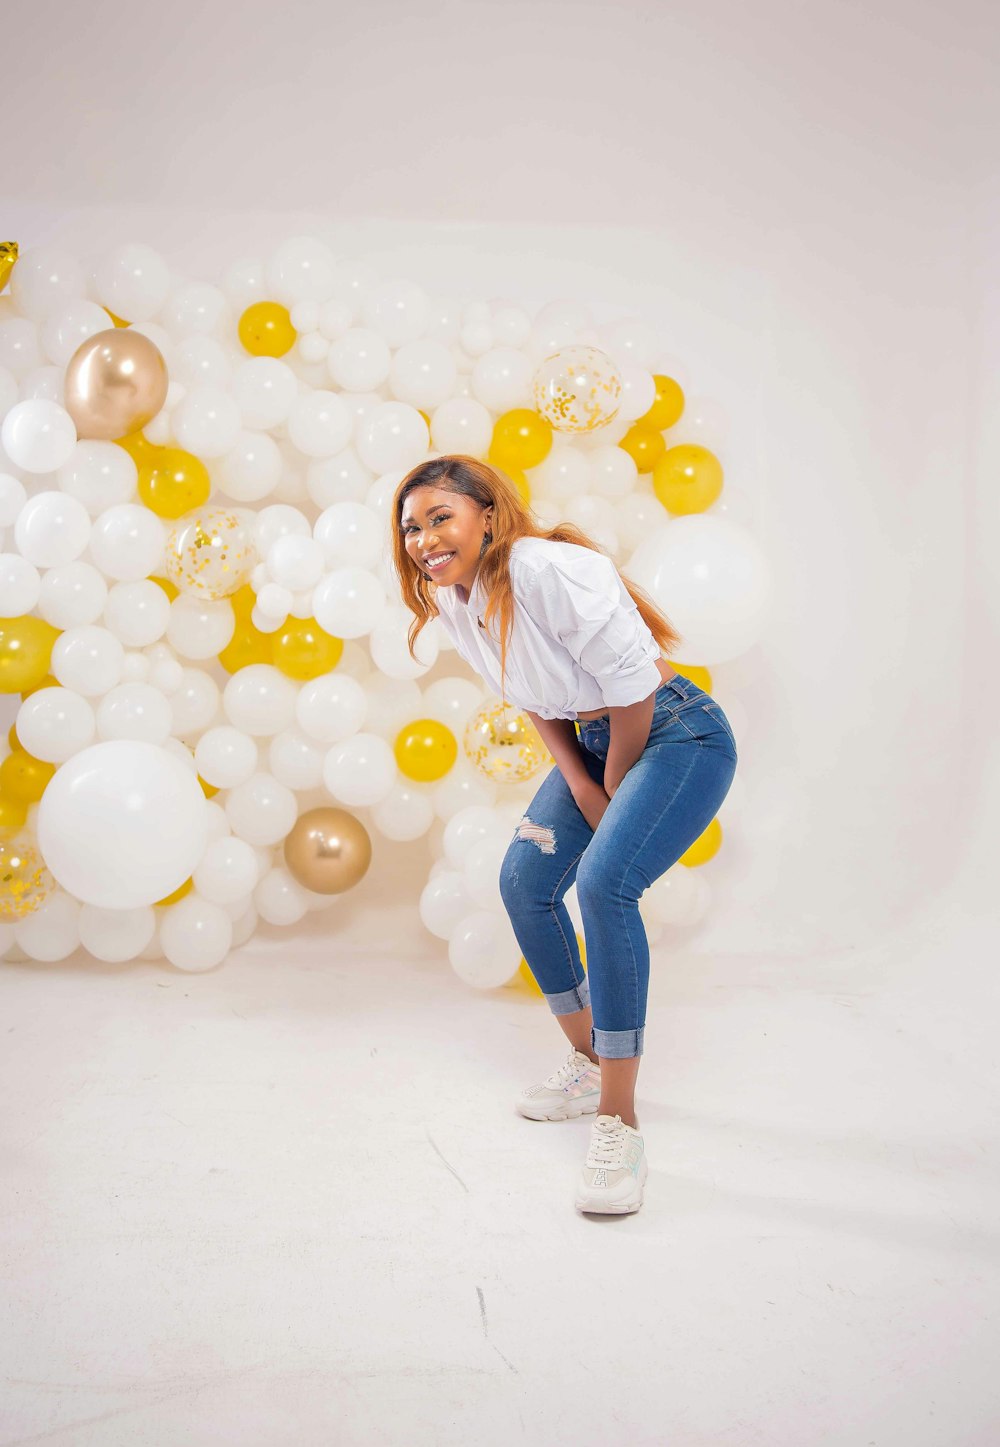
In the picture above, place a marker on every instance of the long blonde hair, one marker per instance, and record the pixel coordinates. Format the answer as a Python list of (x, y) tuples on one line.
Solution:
[(512, 519)]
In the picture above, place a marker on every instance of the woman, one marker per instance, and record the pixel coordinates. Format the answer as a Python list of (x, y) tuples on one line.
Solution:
[(653, 761)]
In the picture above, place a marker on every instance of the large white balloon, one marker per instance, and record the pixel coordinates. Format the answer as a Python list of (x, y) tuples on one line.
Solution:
[(122, 824)]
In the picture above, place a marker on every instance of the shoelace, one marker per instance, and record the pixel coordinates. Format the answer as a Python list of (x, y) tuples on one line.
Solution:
[(607, 1143), (569, 1070)]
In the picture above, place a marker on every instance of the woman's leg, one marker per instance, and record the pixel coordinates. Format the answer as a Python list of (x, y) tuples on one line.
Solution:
[(537, 870)]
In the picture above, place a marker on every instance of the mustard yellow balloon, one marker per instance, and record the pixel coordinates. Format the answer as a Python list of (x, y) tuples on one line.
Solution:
[(179, 892), (266, 330), (521, 438), (23, 777), (13, 813), (709, 842), (49, 681), (668, 404), (687, 478), (137, 445), (302, 649), (695, 673), (247, 645), (173, 481), (243, 600), (425, 750), (207, 789), (25, 652), (644, 445)]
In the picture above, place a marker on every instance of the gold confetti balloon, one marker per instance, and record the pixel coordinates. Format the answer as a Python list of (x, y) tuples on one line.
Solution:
[(211, 553), (25, 882), (505, 745), (577, 389)]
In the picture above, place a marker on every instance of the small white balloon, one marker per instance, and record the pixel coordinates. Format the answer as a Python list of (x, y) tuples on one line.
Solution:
[(52, 529), (38, 435)]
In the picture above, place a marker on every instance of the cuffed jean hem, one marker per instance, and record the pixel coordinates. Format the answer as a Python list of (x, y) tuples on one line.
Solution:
[(568, 1001), (617, 1044)]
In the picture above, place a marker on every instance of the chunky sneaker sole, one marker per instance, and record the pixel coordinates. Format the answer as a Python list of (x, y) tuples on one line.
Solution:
[(574, 1089)]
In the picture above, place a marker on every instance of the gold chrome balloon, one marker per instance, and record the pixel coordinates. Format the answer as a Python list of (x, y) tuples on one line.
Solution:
[(328, 850), (504, 744), (210, 553), (25, 882), (578, 389), (116, 382), (8, 257)]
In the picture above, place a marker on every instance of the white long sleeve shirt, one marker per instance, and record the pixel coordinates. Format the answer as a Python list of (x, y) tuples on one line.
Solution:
[(578, 642)]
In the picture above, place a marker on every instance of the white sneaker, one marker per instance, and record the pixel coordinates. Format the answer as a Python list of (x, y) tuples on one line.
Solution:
[(614, 1173), (574, 1089)]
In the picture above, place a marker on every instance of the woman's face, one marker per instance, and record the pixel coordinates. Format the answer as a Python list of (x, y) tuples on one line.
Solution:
[(434, 522)]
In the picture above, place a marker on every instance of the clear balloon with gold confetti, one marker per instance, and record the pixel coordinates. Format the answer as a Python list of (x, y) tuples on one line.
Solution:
[(577, 389), (504, 744), (211, 553), (25, 882)]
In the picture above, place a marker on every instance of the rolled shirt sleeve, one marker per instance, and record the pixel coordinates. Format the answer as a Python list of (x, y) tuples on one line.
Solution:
[(586, 607)]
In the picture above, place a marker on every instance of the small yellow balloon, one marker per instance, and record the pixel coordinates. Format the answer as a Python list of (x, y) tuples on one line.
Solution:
[(521, 438), (171, 589), (425, 750), (708, 843), (179, 892), (302, 649), (247, 645), (687, 478), (644, 445), (137, 445), (266, 330), (13, 813), (25, 882), (695, 673), (25, 652), (23, 777), (172, 481), (668, 405)]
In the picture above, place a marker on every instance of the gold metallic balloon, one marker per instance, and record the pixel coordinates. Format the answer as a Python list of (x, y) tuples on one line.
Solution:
[(505, 745), (116, 382), (25, 882), (328, 850), (8, 256)]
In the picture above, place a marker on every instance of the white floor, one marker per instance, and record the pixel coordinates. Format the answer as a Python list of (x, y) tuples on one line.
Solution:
[(290, 1202)]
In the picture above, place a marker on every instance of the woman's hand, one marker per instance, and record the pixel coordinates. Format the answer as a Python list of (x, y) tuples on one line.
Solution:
[(591, 800)]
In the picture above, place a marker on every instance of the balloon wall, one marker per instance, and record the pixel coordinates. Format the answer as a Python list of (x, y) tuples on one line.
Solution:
[(216, 717)]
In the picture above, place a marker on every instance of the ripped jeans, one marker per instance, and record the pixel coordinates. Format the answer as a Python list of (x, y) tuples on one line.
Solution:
[(666, 800)]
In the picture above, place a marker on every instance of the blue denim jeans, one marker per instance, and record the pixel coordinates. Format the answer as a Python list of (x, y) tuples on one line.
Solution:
[(666, 800)]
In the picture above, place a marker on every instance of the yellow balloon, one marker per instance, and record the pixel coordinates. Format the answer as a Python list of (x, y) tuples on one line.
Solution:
[(266, 330), (23, 777), (171, 589), (172, 481), (302, 649), (644, 445), (521, 438), (25, 652), (425, 750), (117, 320), (179, 892), (25, 882), (13, 813), (687, 478), (247, 645), (137, 445), (49, 681), (8, 260), (243, 600), (667, 407), (695, 673), (708, 843), (207, 789)]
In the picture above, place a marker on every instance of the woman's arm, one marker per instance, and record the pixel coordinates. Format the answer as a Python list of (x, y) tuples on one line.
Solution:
[(559, 735), (630, 725)]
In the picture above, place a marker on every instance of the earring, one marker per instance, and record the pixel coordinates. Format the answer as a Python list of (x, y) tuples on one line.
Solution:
[(487, 539)]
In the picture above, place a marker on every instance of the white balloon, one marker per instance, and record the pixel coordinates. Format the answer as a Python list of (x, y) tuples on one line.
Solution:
[(134, 711), (444, 900), (301, 268), (73, 595), (261, 810), (466, 829), (389, 643), (295, 760), (207, 421), (260, 699), (501, 379), (398, 309), (423, 373), (128, 542), (196, 935), (461, 424), (12, 490), (394, 435), (88, 659), (20, 585), (132, 281), (52, 529), (264, 389), (295, 561), (331, 708), (196, 307), (194, 703), (349, 602), (406, 813), (279, 898), (638, 392), (349, 534), (360, 770), (275, 521), (483, 950), (225, 756), (200, 627), (55, 723), (45, 278), (137, 613), (52, 931), (481, 870), (38, 435), (359, 360), (319, 423), (227, 871), (116, 935), (122, 824), (99, 474)]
